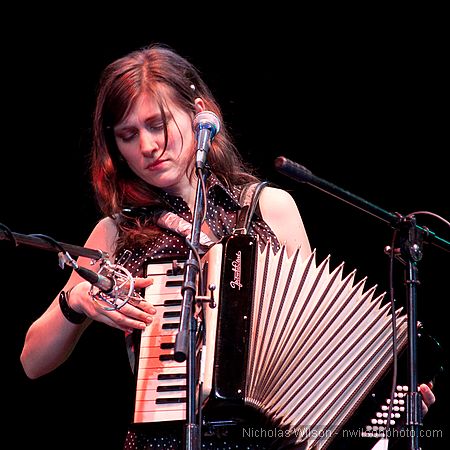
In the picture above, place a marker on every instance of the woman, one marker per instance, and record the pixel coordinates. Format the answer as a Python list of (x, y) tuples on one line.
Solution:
[(143, 162), (143, 166)]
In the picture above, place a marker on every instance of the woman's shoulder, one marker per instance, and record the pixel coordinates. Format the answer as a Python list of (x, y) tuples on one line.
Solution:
[(279, 210), (277, 198), (106, 225), (103, 235)]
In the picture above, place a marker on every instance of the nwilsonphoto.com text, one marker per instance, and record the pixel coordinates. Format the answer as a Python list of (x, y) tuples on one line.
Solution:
[(324, 433)]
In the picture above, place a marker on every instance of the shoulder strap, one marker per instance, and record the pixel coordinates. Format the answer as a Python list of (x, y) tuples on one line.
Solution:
[(249, 199)]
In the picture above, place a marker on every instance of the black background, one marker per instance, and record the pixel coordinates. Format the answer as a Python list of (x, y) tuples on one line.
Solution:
[(358, 97)]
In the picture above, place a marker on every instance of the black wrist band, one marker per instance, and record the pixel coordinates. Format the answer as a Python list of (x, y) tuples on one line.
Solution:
[(70, 314)]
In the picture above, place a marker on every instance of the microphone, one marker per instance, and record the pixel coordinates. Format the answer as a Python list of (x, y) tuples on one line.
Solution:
[(105, 284), (206, 125), (293, 170), (303, 175), (116, 287)]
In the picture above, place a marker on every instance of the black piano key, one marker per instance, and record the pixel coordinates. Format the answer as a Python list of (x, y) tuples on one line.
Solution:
[(172, 302), (172, 314), (174, 283), (171, 376), (170, 326), (167, 345), (171, 273), (162, 401), (166, 357), (177, 269), (180, 387)]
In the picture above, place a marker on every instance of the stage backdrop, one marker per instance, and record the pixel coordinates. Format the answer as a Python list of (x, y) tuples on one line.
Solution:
[(360, 106)]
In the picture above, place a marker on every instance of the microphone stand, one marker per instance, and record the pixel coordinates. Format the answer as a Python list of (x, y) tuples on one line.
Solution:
[(186, 338), (45, 243), (411, 238)]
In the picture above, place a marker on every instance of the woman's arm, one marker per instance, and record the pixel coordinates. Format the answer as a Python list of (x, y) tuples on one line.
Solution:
[(52, 337)]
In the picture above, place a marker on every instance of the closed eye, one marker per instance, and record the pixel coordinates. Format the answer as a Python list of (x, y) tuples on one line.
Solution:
[(127, 136)]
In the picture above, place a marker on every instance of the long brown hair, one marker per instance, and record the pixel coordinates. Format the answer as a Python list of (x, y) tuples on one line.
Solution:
[(121, 83)]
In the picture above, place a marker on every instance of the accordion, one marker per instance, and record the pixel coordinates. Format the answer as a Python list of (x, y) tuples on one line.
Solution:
[(297, 341)]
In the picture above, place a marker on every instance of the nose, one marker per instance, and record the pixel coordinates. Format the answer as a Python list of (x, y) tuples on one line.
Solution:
[(148, 143)]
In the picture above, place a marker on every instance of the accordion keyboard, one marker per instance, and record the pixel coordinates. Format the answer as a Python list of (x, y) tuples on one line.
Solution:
[(161, 381), (161, 392)]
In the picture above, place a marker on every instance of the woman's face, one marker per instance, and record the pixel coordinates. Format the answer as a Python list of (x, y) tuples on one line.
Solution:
[(140, 139)]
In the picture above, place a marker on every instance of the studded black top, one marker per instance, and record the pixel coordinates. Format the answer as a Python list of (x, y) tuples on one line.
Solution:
[(223, 205)]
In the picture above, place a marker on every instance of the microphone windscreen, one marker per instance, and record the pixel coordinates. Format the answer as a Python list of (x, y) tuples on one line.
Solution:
[(207, 119)]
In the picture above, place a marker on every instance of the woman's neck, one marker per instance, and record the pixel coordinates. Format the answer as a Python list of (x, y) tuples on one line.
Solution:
[(186, 191)]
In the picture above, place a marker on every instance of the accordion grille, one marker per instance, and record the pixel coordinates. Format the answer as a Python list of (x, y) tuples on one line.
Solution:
[(319, 343)]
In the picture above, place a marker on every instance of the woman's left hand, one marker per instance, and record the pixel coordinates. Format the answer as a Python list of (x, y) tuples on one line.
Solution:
[(428, 397)]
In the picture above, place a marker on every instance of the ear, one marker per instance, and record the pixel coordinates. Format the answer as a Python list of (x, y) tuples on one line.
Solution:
[(199, 105)]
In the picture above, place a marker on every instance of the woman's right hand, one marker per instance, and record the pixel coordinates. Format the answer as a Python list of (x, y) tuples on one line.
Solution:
[(133, 315)]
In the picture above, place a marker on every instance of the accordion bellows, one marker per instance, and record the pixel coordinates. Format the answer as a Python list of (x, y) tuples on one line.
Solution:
[(319, 343)]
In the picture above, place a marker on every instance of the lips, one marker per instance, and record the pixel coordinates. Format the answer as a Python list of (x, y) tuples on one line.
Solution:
[(156, 164)]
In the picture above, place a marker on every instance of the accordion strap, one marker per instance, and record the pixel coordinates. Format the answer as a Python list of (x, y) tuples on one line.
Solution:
[(249, 200)]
